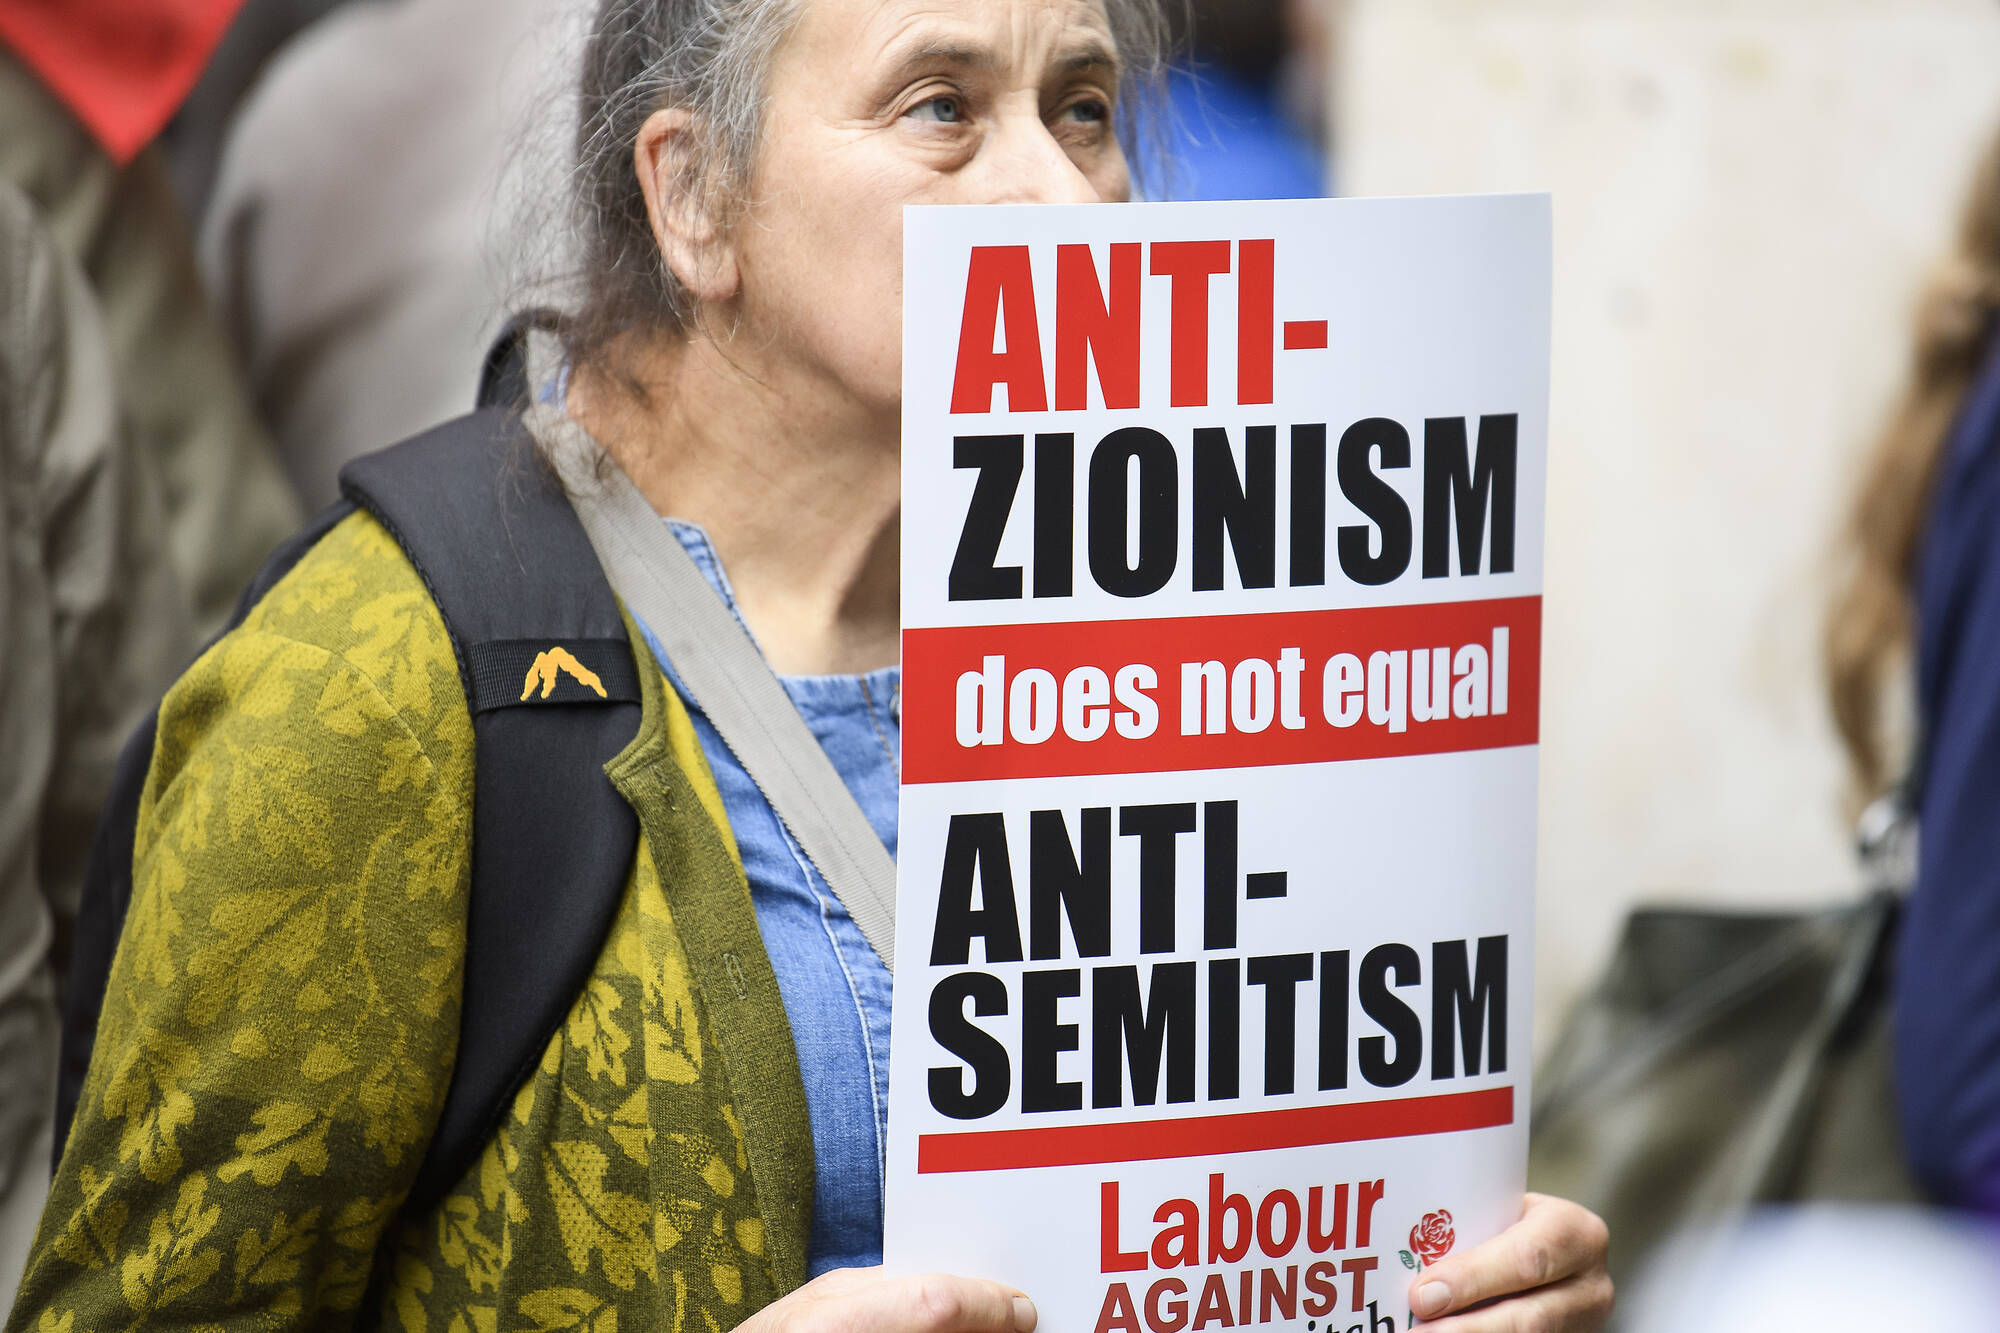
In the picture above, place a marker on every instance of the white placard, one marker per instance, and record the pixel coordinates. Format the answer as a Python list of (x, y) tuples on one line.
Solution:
[(1222, 542)]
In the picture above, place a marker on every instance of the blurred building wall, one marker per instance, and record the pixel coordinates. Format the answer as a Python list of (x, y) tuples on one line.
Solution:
[(1747, 196)]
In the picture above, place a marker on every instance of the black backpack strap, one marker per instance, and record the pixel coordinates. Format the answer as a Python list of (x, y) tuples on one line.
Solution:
[(550, 678), (503, 375), (107, 880)]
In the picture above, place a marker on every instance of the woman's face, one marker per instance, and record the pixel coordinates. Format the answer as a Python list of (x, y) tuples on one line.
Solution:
[(874, 104)]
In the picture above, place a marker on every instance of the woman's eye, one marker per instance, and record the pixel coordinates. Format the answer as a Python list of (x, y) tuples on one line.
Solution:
[(1090, 111), (940, 110)]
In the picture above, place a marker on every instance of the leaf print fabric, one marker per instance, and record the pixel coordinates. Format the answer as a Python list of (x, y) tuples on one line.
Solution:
[(280, 1022), (613, 1185), (175, 1260)]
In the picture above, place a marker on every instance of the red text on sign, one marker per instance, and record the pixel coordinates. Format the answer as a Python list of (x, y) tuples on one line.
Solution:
[(1097, 315)]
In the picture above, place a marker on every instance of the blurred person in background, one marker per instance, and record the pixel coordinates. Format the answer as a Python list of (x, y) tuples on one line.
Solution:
[(280, 1026), (1924, 543), (355, 242), (139, 492), (95, 625), (191, 143), (84, 87)]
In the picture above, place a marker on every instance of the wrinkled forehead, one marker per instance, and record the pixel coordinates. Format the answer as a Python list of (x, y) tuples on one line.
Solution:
[(1023, 39)]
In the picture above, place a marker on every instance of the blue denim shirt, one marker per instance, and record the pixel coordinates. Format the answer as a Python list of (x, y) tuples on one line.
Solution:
[(835, 988)]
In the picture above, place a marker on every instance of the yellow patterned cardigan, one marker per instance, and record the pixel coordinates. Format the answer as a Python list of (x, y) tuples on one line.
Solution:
[(282, 1012)]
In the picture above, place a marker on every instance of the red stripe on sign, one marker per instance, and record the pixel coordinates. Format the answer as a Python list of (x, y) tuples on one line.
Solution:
[(1304, 334), (1062, 700), (1210, 1135)]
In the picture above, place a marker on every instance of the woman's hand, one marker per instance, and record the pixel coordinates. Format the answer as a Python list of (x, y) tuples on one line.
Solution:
[(1545, 1273), (861, 1300)]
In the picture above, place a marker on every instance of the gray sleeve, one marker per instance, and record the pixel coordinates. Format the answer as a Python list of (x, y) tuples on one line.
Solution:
[(93, 625)]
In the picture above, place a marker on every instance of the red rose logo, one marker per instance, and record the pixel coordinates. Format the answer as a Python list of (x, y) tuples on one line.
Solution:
[(1430, 1239)]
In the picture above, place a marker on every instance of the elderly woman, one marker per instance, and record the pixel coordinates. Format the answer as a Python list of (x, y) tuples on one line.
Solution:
[(282, 1012)]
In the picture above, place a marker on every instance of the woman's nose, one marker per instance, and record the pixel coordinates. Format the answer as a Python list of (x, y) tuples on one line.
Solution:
[(1029, 167)]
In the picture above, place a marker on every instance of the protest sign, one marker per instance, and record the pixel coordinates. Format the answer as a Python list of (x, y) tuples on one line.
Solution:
[(1222, 534)]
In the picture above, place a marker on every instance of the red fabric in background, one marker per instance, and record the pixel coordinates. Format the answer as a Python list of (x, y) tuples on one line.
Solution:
[(122, 66)]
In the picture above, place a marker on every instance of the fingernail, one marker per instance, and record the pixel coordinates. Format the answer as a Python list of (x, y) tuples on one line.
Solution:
[(1432, 1298), (1025, 1317)]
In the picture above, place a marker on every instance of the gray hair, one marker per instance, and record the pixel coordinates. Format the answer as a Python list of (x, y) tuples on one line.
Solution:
[(710, 57)]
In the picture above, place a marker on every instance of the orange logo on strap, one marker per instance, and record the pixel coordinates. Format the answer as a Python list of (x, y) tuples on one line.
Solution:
[(553, 661)]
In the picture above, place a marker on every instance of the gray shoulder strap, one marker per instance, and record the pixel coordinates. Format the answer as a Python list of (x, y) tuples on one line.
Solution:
[(720, 664)]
